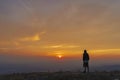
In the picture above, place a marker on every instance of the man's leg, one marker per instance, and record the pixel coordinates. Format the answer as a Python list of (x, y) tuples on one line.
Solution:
[(85, 69), (88, 67)]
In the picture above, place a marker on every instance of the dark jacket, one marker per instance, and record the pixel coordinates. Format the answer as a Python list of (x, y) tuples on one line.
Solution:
[(85, 57)]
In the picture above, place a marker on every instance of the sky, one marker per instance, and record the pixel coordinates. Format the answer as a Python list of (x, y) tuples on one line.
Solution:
[(35, 33)]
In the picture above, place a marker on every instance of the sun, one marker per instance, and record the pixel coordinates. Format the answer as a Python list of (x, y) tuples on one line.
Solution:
[(60, 56)]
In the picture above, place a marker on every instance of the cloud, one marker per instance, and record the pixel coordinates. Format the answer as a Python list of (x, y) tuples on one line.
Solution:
[(61, 46), (31, 38), (36, 37), (9, 43), (108, 50)]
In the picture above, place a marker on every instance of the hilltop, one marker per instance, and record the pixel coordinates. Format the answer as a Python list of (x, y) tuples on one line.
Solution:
[(62, 76)]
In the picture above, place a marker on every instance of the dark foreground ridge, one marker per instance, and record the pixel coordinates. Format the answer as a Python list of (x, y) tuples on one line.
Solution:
[(62, 76)]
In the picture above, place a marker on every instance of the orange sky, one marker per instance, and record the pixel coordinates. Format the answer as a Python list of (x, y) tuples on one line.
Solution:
[(60, 28)]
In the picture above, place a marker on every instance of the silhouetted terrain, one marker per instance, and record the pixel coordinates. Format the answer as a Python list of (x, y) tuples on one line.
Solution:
[(63, 76)]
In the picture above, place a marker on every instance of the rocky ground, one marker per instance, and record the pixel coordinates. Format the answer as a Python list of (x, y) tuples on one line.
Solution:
[(63, 76)]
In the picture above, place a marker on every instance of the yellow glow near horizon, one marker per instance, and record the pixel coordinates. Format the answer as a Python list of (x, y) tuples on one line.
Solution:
[(59, 56)]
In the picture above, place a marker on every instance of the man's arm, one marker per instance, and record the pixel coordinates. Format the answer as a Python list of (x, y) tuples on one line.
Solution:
[(88, 57), (83, 57)]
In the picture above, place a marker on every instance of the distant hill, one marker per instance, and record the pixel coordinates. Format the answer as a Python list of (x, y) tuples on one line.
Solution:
[(110, 68)]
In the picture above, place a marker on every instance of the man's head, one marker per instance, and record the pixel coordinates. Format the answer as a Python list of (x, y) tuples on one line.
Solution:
[(85, 51)]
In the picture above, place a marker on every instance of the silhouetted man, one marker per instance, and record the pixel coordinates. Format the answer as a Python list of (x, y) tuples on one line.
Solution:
[(86, 61)]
